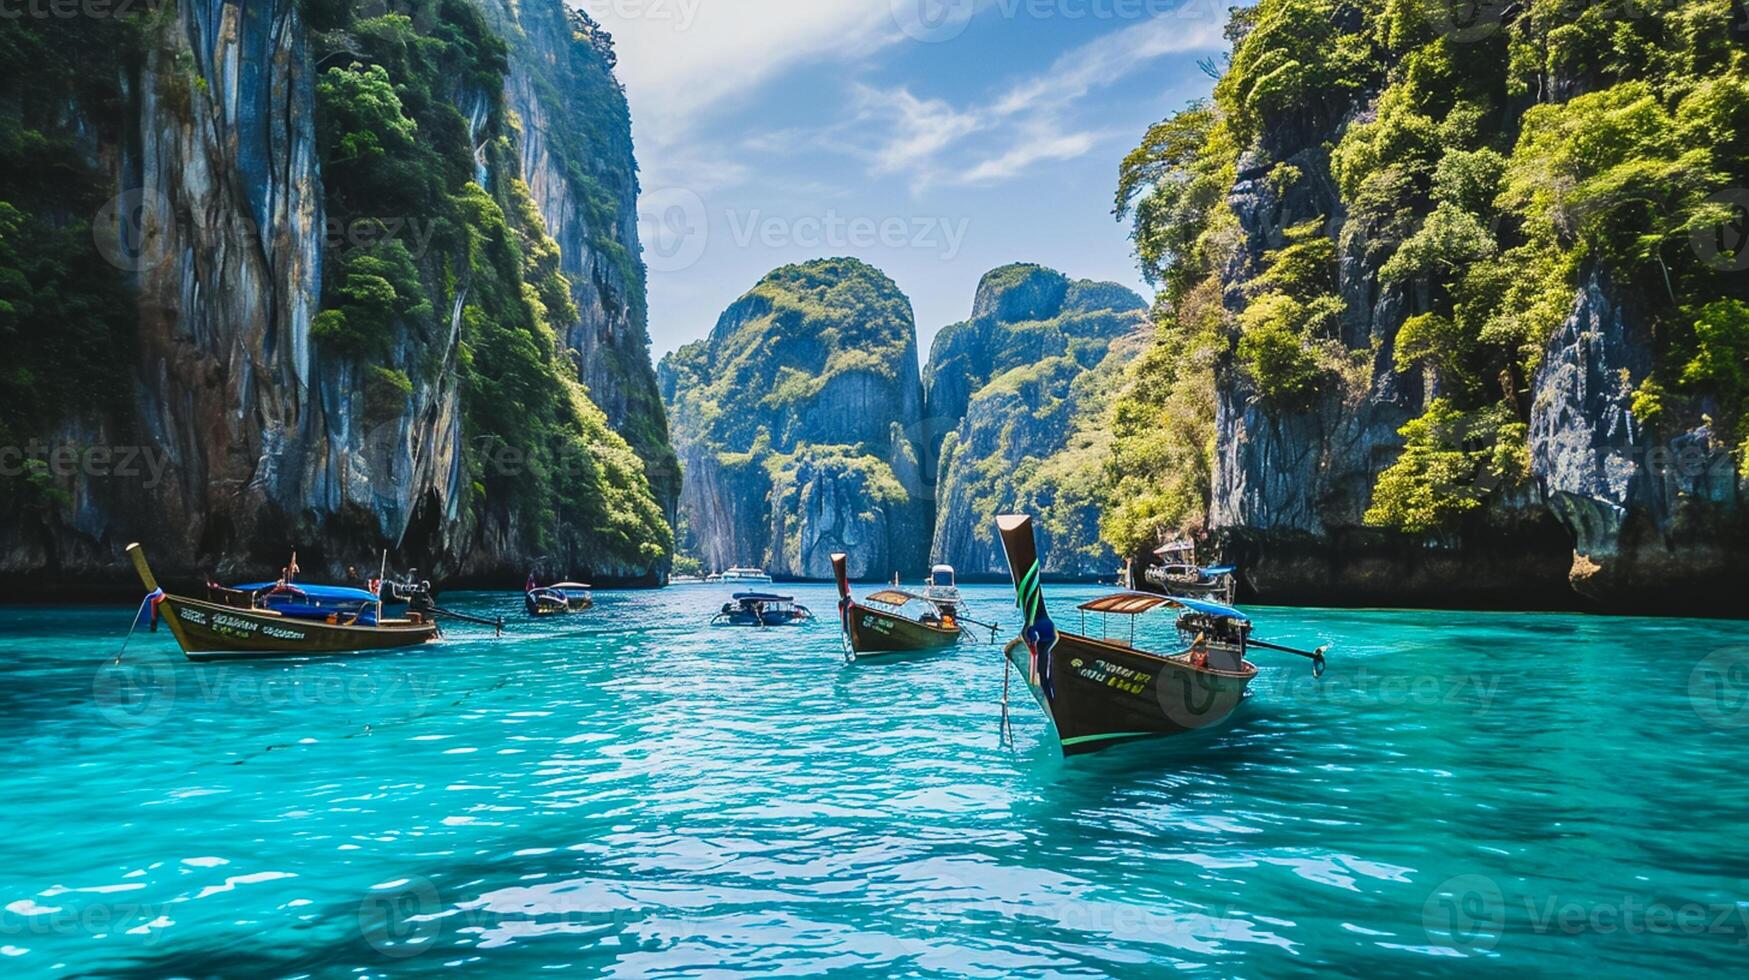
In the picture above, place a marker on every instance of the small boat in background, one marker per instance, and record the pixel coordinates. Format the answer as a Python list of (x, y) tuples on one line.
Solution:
[(685, 580), (1182, 576), (942, 586), (761, 609), (279, 619), (1102, 690), (879, 624), (744, 576), (556, 600)]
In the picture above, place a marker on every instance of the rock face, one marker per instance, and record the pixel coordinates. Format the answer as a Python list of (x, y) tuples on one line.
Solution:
[(1612, 513), (576, 155), (799, 426), (1014, 397), (1290, 488), (1653, 517), (273, 441)]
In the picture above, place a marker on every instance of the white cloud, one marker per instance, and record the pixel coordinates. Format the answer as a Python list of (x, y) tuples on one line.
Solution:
[(919, 128), (679, 58), (1030, 122), (1034, 149)]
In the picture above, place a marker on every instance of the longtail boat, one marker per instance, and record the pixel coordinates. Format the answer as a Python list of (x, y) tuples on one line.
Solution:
[(1100, 691), (878, 625), (281, 619), (556, 600), (1182, 577), (761, 609)]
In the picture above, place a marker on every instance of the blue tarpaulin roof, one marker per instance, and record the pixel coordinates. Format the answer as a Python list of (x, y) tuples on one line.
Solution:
[(1220, 570), (1211, 608), (329, 593)]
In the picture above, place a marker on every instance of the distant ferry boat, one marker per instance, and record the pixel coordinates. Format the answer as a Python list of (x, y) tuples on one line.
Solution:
[(742, 575)]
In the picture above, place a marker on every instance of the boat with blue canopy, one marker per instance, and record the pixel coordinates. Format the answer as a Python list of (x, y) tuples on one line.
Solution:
[(1182, 576)]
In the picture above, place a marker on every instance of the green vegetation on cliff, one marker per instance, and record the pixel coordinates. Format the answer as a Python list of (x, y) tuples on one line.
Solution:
[(66, 320), (1485, 171), (803, 406), (1017, 397), (395, 144)]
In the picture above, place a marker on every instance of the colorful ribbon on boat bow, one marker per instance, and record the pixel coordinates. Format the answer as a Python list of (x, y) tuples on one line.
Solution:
[(150, 607), (1039, 633)]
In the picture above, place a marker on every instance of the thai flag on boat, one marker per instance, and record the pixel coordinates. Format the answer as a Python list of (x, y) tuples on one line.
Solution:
[(149, 608), (528, 586)]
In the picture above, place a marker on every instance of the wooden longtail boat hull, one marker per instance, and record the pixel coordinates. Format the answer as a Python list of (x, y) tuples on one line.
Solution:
[(1103, 692), (871, 631), (1107, 693), (214, 631), (210, 631), (874, 632)]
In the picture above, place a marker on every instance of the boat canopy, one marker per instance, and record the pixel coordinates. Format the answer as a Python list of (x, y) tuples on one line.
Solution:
[(1172, 547), (1136, 603), (891, 597), (746, 597), (568, 587), (328, 593)]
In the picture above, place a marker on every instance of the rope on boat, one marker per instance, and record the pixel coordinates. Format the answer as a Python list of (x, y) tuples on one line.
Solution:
[(1005, 731), (134, 626)]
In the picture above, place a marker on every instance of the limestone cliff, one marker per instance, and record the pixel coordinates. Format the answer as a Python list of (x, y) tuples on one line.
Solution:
[(1015, 397), (348, 326), (1457, 330), (798, 424)]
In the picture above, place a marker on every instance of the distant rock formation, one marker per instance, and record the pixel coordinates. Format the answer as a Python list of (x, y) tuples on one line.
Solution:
[(799, 426), (1014, 398)]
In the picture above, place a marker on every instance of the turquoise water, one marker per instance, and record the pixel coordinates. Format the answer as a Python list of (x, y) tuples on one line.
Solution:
[(631, 793)]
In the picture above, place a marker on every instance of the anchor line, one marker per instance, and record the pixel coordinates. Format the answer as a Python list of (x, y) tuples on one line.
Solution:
[(131, 628), (1005, 731)]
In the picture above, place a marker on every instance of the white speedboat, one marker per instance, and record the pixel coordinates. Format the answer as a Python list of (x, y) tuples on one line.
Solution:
[(741, 576)]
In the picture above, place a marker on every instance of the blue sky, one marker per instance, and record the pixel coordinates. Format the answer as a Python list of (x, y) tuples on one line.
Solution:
[(935, 139)]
